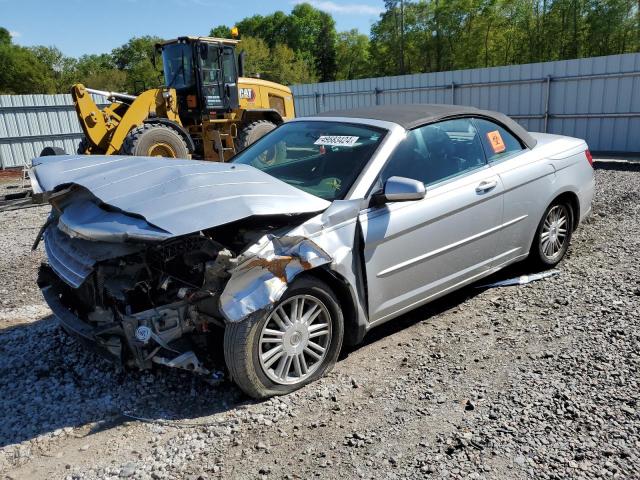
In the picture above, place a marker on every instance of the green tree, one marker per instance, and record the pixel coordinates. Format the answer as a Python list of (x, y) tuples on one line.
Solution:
[(135, 58), (61, 68), (272, 28), (258, 56), (21, 72), (100, 72), (5, 36), (221, 31), (309, 32), (438, 35), (384, 46), (278, 64), (325, 49), (289, 68), (352, 55)]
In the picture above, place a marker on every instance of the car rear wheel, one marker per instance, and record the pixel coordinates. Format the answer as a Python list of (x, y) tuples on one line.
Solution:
[(553, 235), (292, 345)]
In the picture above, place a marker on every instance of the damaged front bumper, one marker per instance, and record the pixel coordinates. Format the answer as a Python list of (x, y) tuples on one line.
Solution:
[(143, 299), (139, 340)]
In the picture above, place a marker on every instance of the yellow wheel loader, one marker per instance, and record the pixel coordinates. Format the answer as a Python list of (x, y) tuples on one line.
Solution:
[(205, 110)]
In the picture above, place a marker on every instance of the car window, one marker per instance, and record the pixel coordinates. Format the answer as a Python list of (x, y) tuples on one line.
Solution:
[(497, 142), (437, 152), (321, 158)]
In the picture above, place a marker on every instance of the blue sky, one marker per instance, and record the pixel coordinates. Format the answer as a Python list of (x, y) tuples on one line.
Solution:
[(87, 26)]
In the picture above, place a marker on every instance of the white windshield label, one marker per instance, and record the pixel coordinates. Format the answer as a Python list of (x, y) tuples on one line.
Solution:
[(336, 140)]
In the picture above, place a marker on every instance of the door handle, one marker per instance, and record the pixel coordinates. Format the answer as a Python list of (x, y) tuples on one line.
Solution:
[(486, 185)]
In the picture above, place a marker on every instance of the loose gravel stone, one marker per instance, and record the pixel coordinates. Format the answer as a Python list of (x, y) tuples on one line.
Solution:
[(534, 381)]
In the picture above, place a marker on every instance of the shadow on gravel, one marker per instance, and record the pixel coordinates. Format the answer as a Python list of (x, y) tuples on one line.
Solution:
[(49, 381), (448, 302), (617, 166)]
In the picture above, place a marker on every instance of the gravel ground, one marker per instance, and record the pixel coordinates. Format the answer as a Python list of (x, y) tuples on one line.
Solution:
[(20, 299), (536, 381)]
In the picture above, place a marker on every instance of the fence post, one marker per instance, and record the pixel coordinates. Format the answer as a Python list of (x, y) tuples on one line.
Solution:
[(318, 97), (546, 103), (377, 93), (453, 93)]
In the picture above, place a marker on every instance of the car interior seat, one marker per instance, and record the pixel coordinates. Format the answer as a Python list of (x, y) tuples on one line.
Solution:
[(442, 162), (409, 160)]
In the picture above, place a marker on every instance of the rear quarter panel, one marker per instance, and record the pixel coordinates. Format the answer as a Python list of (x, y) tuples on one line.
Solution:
[(574, 173), (533, 179)]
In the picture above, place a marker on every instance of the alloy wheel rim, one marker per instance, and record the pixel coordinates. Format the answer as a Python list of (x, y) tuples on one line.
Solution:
[(295, 339), (161, 150), (554, 232)]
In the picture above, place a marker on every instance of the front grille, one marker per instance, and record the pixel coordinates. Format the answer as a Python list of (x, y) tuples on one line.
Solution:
[(69, 262)]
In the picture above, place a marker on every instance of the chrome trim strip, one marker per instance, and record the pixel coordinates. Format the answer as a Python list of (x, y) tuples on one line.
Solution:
[(65, 269), (372, 169), (444, 291), (435, 192), (446, 248), (364, 121), (68, 263)]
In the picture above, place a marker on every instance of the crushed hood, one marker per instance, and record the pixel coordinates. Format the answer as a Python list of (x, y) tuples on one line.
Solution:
[(176, 196)]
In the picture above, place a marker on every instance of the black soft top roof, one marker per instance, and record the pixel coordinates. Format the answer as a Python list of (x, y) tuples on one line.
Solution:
[(414, 115)]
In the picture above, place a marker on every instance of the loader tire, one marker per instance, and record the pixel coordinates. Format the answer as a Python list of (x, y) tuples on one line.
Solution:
[(49, 151), (253, 132), (155, 140)]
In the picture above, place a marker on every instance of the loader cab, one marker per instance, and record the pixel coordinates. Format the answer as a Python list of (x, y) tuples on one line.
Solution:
[(204, 73)]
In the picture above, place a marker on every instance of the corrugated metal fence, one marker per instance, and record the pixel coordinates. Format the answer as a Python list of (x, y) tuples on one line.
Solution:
[(593, 98), (28, 123)]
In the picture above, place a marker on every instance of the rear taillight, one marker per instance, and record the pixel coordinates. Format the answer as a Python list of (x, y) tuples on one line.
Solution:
[(587, 154)]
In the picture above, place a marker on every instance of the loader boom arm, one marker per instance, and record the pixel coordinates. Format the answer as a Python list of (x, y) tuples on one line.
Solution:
[(105, 129)]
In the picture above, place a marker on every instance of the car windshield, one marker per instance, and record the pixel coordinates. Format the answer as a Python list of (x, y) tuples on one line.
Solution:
[(321, 158)]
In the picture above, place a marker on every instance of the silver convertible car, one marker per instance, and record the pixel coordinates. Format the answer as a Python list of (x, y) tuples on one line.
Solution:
[(318, 232)]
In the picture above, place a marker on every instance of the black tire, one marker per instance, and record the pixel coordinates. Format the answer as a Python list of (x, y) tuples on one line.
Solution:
[(242, 343), (155, 140), (51, 151), (540, 256), (82, 146), (253, 132)]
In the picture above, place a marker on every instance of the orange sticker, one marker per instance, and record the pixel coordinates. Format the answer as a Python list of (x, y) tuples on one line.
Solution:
[(495, 139)]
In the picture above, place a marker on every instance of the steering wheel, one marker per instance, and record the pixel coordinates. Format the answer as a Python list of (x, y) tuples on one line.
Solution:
[(273, 154)]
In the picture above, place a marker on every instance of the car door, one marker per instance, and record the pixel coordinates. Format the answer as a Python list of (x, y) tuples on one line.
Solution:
[(417, 250), (525, 177)]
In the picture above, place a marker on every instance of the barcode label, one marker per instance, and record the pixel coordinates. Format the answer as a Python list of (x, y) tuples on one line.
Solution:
[(336, 140)]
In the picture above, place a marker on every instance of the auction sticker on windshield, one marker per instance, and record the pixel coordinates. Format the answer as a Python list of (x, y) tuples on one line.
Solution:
[(336, 140)]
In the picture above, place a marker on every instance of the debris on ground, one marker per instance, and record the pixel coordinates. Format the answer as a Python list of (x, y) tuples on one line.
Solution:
[(537, 382), (521, 280)]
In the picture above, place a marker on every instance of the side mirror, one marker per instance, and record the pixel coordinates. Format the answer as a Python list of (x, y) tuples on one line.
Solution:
[(241, 61), (157, 50), (402, 189)]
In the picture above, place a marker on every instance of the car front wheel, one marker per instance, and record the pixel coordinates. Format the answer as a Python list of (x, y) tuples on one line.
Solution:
[(292, 345)]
